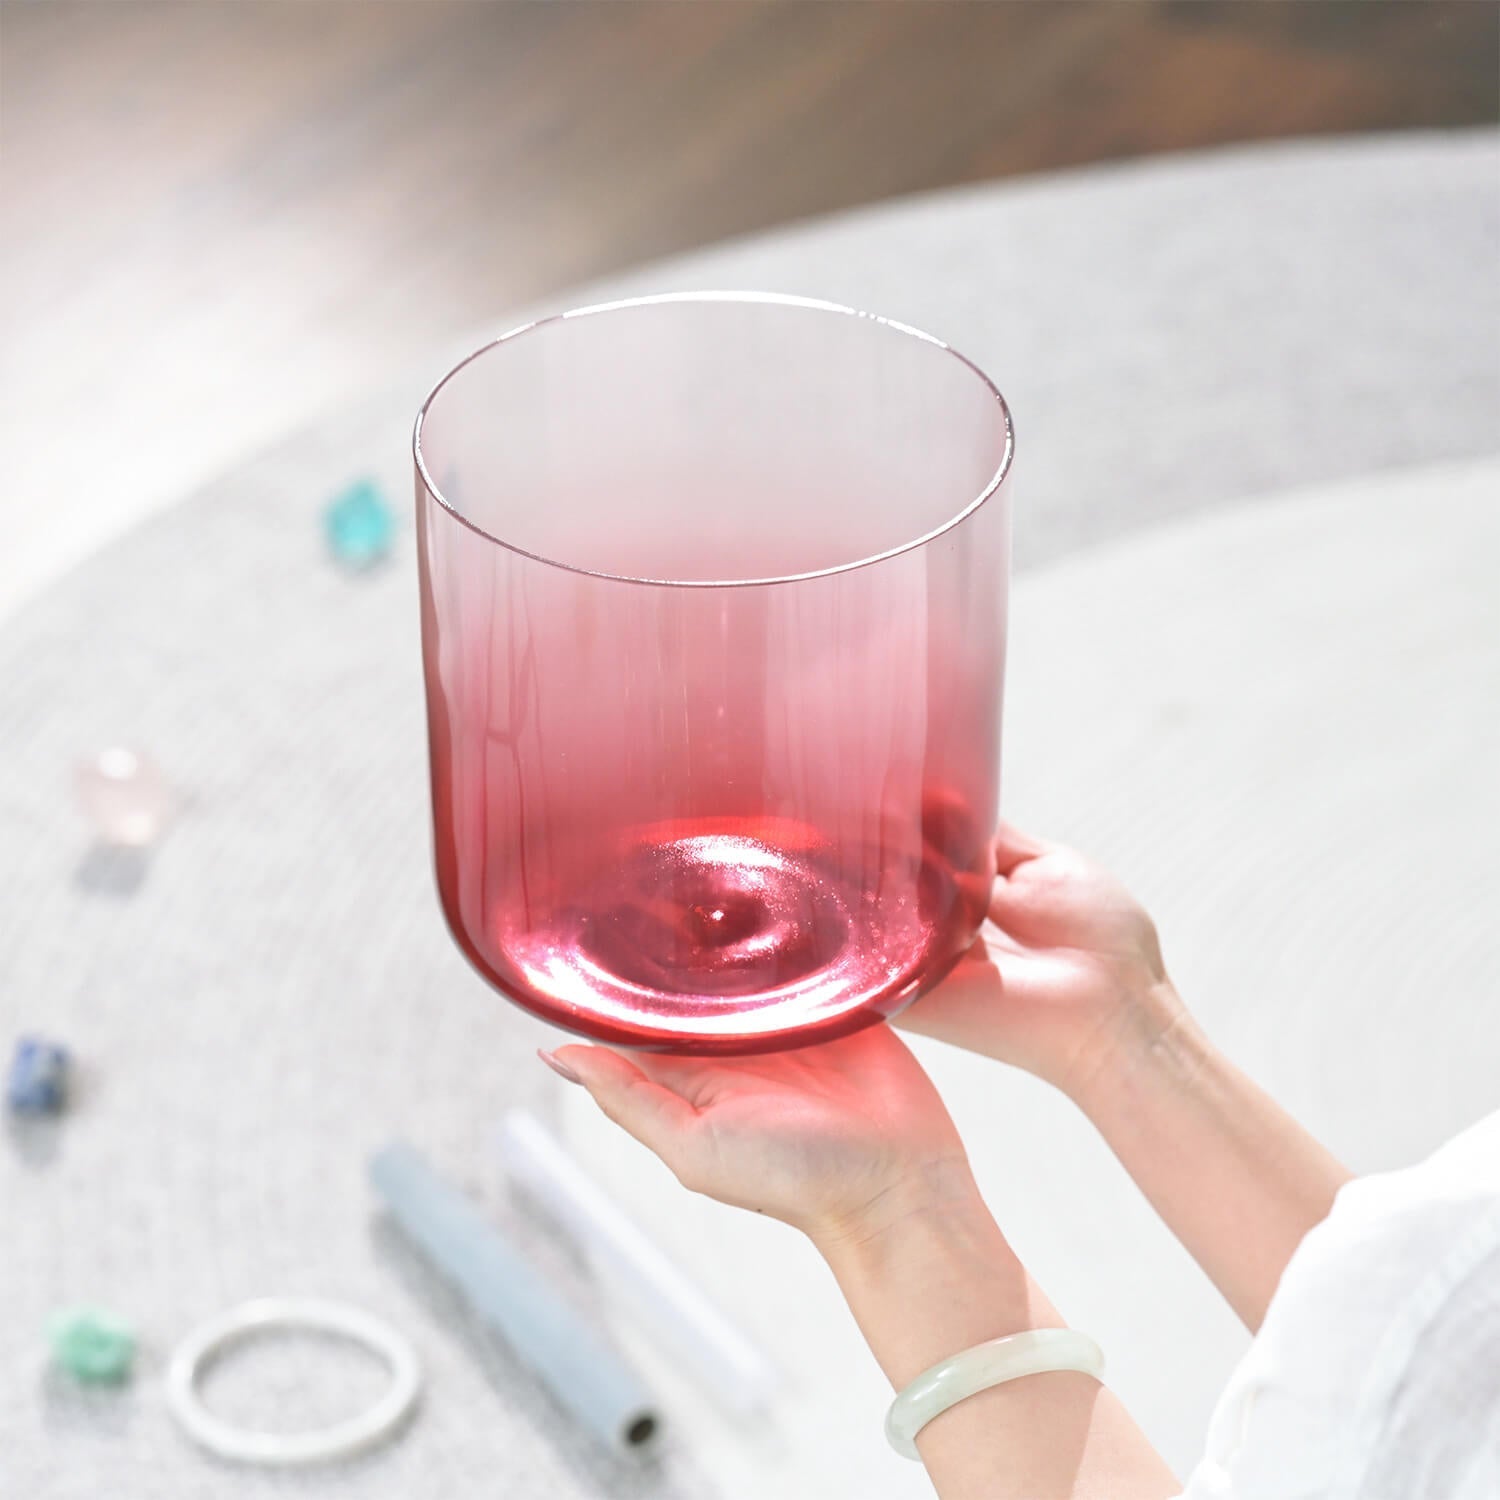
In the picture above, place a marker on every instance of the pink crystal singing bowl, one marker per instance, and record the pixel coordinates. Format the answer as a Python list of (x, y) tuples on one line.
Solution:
[(713, 622)]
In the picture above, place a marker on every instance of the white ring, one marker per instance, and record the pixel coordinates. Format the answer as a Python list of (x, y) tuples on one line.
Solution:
[(1037, 1351), (276, 1448)]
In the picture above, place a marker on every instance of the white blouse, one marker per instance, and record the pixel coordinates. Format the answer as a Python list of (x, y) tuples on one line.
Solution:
[(1376, 1374)]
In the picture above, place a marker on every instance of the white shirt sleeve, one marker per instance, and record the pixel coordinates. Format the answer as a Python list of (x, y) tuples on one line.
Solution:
[(1376, 1374)]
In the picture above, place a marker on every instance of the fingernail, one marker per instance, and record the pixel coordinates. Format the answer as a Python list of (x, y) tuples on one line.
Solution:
[(557, 1065)]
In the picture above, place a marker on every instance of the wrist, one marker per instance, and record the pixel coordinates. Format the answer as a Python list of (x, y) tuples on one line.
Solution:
[(1149, 1036), (932, 1278), (941, 1191)]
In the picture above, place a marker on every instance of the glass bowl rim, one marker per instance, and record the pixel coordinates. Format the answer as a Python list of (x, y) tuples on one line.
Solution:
[(776, 299)]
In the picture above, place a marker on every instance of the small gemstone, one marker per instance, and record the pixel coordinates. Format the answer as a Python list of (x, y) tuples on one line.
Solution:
[(360, 525), (125, 796), (38, 1079), (92, 1347)]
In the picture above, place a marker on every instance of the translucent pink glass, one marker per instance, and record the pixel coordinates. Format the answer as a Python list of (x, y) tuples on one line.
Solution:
[(713, 621)]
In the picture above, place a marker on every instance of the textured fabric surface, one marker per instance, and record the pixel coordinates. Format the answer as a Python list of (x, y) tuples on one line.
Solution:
[(270, 994), (1374, 1376)]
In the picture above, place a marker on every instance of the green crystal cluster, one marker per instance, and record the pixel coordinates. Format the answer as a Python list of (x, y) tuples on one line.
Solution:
[(92, 1346)]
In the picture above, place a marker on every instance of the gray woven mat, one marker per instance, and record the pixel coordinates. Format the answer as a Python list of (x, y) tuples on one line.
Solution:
[(271, 994)]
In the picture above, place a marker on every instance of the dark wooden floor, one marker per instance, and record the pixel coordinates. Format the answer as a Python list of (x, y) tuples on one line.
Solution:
[(219, 216)]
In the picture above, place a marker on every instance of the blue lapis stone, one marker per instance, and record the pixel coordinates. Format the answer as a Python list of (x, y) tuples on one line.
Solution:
[(360, 525), (38, 1082)]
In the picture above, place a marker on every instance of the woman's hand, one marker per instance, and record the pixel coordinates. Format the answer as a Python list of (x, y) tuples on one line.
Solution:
[(839, 1140), (850, 1143), (1067, 968), (1067, 981)]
